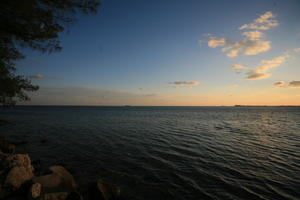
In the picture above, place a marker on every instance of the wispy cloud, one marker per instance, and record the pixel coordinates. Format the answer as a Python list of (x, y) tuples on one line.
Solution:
[(37, 76), (256, 74), (215, 42), (41, 76), (190, 83), (253, 35), (252, 44), (263, 22), (292, 84), (261, 71), (238, 67), (246, 47)]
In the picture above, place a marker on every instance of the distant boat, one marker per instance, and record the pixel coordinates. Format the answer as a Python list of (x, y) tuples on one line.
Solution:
[(127, 105)]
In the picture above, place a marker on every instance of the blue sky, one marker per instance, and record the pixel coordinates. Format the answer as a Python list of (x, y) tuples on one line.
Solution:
[(157, 53)]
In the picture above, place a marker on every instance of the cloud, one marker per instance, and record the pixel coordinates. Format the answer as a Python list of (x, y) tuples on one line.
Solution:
[(292, 84), (38, 76), (253, 35), (189, 83), (238, 67), (264, 22), (247, 46), (261, 71), (252, 44), (256, 74), (279, 84), (215, 42), (295, 84), (141, 89), (275, 62)]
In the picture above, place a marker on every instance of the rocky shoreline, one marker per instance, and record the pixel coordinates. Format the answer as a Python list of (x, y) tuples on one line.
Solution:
[(22, 179)]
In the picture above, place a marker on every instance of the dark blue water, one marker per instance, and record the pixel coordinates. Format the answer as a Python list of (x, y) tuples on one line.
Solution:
[(169, 152)]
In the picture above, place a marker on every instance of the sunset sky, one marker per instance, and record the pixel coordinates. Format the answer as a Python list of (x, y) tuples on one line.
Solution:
[(174, 52)]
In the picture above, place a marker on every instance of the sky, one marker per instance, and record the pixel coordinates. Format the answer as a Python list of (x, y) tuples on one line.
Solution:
[(174, 53)]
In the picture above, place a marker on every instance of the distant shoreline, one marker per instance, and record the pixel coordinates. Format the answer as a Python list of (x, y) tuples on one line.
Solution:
[(127, 106)]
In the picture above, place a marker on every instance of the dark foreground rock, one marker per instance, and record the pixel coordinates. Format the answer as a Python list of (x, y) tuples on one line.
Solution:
[(104, 191), (16, 171), (55, 186), (20, 179)]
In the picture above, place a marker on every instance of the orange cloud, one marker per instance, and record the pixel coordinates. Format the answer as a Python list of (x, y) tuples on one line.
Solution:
[(264, 22)]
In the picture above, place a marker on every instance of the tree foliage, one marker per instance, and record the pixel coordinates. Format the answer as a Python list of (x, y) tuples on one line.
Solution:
[(32, 24)]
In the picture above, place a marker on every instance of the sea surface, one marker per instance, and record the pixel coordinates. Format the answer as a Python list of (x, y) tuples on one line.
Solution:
[(184, 153)]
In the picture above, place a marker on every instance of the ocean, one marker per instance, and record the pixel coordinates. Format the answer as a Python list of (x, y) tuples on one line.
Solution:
[(184, 153)]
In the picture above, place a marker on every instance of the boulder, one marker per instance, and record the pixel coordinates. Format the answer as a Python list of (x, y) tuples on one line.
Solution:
[(104, 191), (35, 191), (57, 185), (74, 196), (56, 196), (16, 171), (18, 160), (17, 176)]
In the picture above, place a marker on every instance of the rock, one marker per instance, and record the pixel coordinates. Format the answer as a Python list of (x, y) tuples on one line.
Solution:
[(56, 196), (18, 160), (17, 176), (19, 171), (108, 191), (37, 166), (104, 191), (74, 196), (57, 185), (68, 178), (35, 190)]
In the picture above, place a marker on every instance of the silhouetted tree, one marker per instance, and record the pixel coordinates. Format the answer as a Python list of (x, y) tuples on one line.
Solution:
[(33, 24)]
